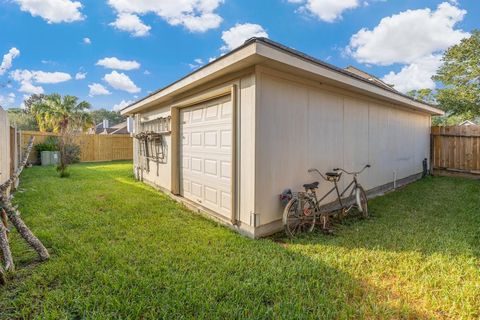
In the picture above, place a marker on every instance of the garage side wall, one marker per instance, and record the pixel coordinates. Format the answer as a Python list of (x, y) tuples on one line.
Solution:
[(301, 126), (161, 175)]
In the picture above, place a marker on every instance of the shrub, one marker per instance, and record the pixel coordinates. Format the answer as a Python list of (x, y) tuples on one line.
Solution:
[(72, 153), (50, 144), (69, 153)]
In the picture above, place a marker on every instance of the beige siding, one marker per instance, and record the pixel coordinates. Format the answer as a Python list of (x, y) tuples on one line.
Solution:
[(246, 148), (160, 173), (299, 126), (4, 146)]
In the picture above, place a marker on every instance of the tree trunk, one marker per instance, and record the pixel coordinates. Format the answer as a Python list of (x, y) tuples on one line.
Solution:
[(13, 214), (5, 247), (3, 281), (24, 231)]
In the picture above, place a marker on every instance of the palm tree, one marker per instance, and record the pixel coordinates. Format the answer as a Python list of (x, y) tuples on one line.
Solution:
[(65, 116), (57, 114)]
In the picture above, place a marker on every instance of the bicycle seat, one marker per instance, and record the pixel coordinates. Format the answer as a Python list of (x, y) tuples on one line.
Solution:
[(332, 174), (311, 186)]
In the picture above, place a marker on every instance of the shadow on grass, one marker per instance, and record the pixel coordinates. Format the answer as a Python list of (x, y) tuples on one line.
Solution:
[(435, 215)]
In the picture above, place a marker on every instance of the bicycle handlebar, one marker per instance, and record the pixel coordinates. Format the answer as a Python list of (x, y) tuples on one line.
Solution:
[(354, 172)]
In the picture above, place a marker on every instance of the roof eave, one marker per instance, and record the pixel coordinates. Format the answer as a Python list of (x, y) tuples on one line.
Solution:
[(339, 76), (257, 49), (239, 58)]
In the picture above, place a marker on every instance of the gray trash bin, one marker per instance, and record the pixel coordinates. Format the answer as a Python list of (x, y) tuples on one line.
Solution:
[(55, 157), (46, 158), (49, 158)]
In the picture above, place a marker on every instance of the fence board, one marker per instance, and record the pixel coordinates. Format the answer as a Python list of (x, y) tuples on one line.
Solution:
[(4, 147), (456, 148), (93, 147)]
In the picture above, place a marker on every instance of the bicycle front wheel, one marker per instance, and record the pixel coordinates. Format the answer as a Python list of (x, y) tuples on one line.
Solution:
[(362, 201), (299, 216)]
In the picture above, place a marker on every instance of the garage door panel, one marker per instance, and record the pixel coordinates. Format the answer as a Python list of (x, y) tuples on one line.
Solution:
[(211, 139), (211, 195), (226, 110), (226, 201), (211, 112), (226, 138), (206, 131), (197, 115), (226, 170), (196, 189), (196, 139), (211, 167), (197, 164)]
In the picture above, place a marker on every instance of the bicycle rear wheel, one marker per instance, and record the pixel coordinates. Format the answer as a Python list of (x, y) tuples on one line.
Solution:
[(362, 201), (299, 216)]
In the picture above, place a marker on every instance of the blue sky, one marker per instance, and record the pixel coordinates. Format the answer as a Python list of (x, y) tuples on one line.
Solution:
[(152, 43)]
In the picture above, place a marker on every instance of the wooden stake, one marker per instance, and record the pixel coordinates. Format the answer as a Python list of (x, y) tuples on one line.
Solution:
[(5, 247)]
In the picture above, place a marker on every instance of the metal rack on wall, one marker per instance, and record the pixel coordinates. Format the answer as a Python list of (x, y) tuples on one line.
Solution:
[(151, 138)]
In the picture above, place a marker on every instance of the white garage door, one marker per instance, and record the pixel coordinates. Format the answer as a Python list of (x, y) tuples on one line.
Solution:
[(206, 154)]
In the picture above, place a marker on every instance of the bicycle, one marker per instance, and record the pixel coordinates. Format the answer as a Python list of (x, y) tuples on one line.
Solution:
[(303, 209)]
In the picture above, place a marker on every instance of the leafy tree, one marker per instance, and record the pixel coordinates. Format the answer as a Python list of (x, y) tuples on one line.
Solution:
[(425, 95), (22, 119), (460, 75), (113, 117), (33, 99), (450, 120)]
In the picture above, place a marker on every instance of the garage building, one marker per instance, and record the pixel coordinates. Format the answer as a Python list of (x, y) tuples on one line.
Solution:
[(229, 137)]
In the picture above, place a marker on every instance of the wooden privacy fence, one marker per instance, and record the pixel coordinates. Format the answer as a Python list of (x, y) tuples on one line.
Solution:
[(93, 147), (9, 148), (456, 148)]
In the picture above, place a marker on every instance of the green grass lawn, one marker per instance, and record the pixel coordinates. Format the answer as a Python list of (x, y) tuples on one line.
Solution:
[(120, 249)]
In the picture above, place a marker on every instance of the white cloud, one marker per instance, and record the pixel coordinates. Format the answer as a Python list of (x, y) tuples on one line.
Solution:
[(146, 72), (131, 23), (87, 40), (29, 88), (26, 78), (417, 75), (96, 89), (8, 60), (236, 36), (194, 15), (121, 105), (121, 81), (408, 36), (326, 10), (50, 77), (115, 63), (53, 11), (197, 63), (211, 59), (80, 75), (39, 76), (415, 39), (7, 100)]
